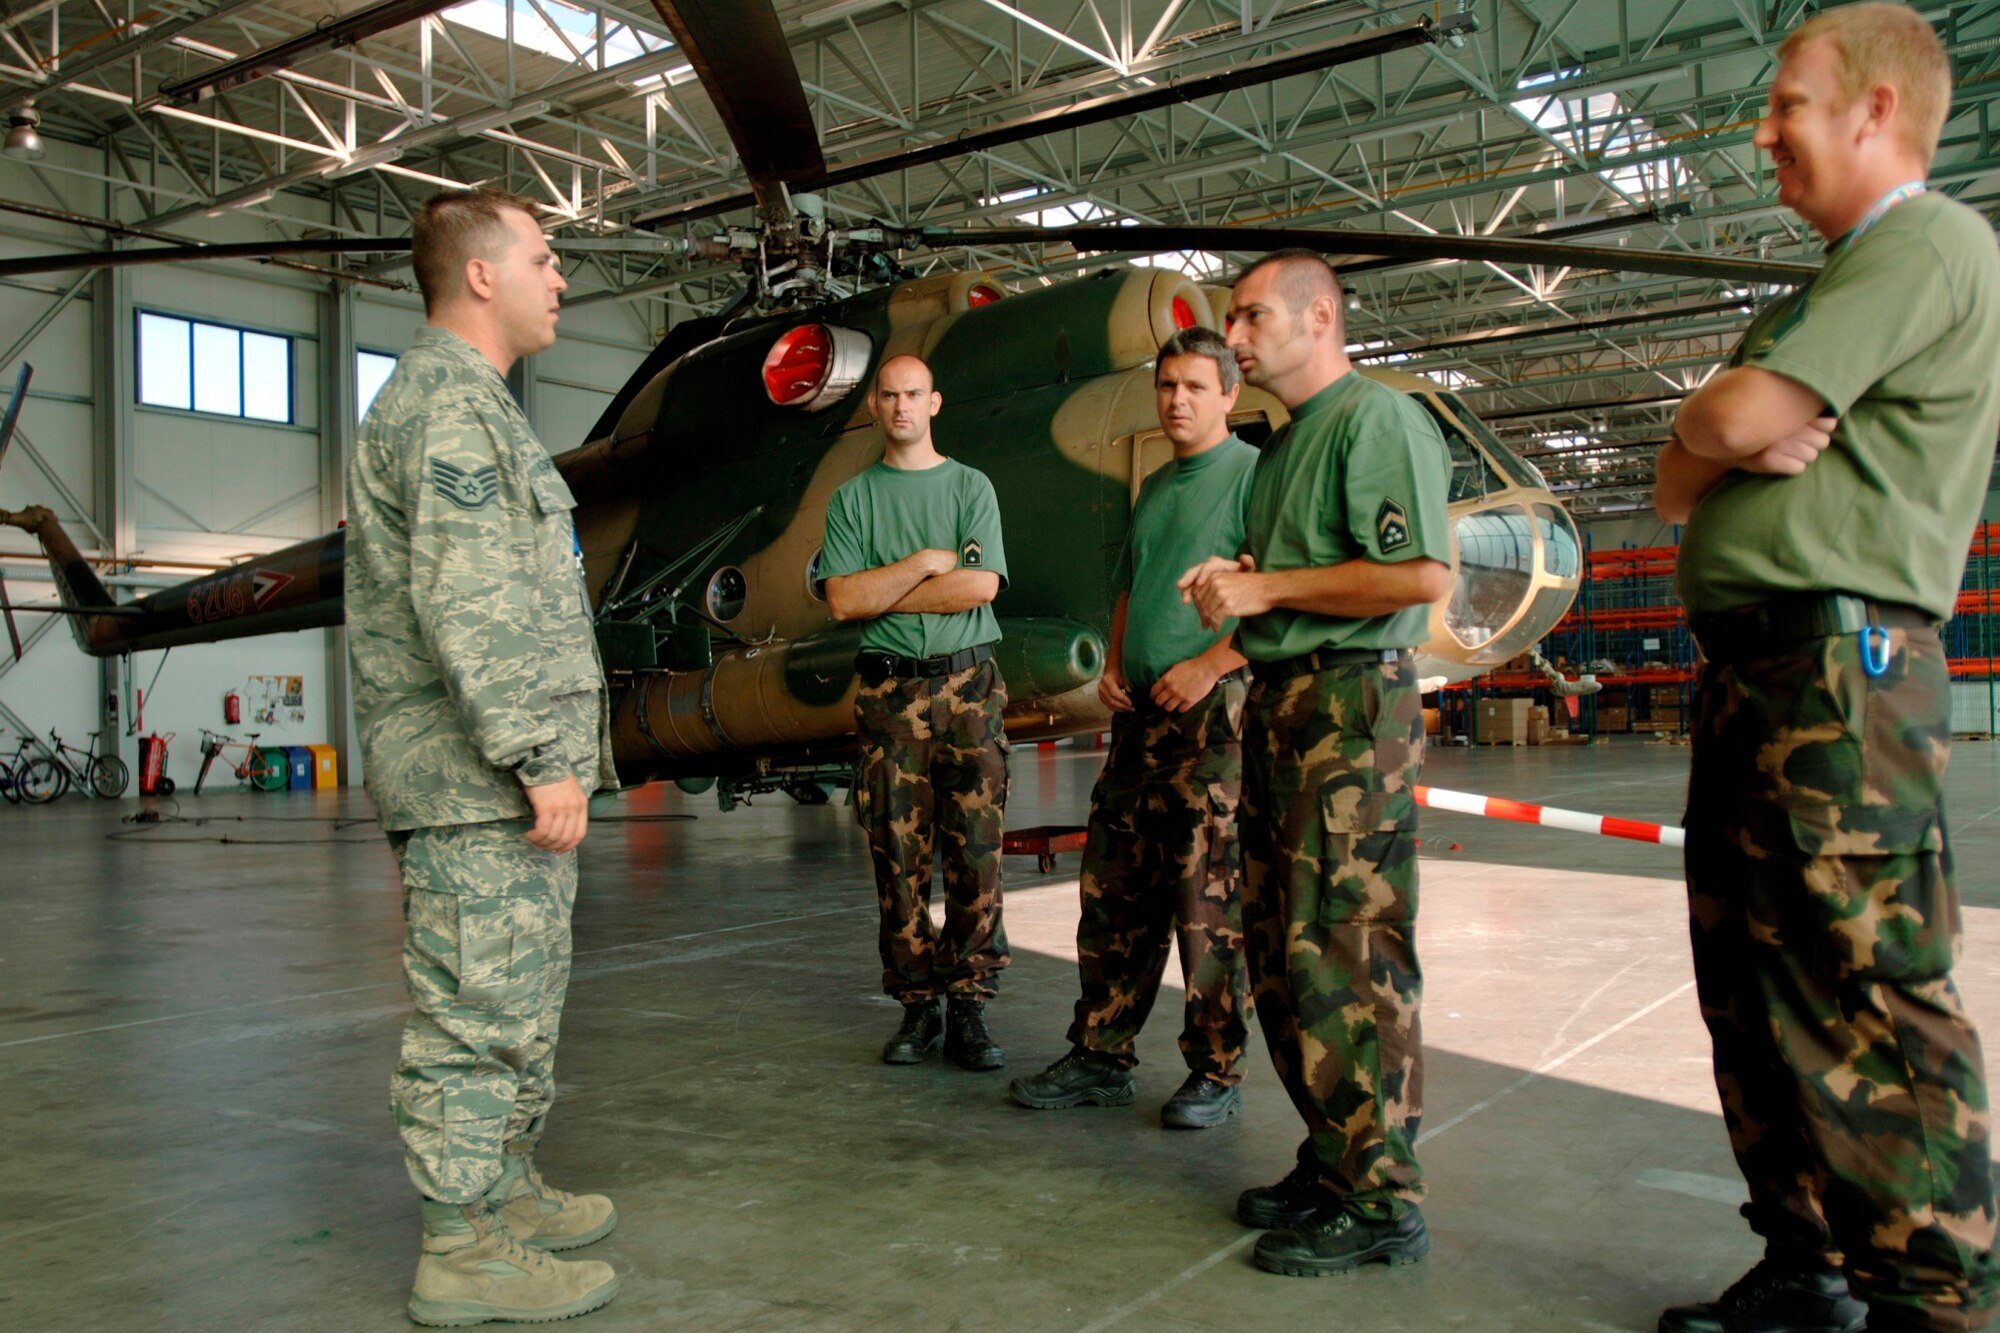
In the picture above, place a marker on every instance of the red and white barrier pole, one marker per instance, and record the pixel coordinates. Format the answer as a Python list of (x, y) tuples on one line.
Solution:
[(1548, 816)]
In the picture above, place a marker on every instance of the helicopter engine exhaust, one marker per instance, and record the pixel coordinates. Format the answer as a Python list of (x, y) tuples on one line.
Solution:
[(802, 693)]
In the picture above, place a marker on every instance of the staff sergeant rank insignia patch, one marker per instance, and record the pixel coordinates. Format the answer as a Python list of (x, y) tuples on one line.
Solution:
[(467, 490), (971, 556), (1392, 527)]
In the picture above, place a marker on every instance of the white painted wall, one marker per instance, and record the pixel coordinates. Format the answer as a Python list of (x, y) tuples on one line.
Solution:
[(209, 489)]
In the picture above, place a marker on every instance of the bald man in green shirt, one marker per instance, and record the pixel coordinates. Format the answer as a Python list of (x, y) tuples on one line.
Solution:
[(913, 550), (1830, 480), (1347, 544)]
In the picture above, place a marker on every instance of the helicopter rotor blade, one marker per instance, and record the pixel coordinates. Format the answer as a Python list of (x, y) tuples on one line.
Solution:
[(1148, 238), (1169, 91), (177, 254), (739, 52)]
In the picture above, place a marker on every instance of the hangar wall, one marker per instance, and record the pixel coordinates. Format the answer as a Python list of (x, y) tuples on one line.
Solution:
[(160, 485)]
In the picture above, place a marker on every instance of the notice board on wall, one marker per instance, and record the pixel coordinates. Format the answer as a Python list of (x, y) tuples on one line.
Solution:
[(276, 700)]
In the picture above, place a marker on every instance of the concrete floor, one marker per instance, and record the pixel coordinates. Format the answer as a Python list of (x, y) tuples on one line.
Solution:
[(195, 1041)]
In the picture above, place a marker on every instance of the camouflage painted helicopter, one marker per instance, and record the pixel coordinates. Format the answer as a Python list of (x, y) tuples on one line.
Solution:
[(702, 492)]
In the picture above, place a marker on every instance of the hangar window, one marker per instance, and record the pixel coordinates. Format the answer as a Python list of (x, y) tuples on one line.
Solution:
[(565, 32), (1600, 126), (201, 367), (371, 372)]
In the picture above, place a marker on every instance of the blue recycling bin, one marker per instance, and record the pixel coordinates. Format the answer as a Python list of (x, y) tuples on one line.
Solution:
[(298, 768)]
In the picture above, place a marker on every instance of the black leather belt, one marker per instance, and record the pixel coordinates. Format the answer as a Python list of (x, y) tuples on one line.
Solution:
[(876, 667), (1319, 659), (1784, 623)]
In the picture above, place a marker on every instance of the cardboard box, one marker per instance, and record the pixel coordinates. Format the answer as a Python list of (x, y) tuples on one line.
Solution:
[(1501, 721), (1613, 718), (1433, 722), (1538, 727)]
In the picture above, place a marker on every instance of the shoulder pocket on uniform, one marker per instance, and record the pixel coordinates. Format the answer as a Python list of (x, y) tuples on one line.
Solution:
[(552, 493), (1368, 868), (1876, 886)]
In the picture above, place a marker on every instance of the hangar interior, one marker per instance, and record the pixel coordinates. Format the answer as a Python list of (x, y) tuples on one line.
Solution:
[(197, 1035)]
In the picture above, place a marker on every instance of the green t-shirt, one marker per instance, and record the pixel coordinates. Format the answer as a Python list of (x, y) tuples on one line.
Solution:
[(1900, 335), (887, 514), (1359, 473), (1189, 510)]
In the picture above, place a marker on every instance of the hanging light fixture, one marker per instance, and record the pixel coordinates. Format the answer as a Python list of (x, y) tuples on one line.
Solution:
[(22, 140)]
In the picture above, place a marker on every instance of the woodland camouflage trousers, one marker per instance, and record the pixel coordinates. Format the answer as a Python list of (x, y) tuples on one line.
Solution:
[(1328, 828), (1825, 923), (931, 784), (1160, 862)]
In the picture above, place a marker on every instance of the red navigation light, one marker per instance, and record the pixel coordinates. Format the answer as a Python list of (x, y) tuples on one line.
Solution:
[(1183, 313), (982, 295), (814, 366), (797, 364)]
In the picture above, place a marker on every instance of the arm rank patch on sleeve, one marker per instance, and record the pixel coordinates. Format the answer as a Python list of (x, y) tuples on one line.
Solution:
[(467, 490), (1392, 527), (971, 556)]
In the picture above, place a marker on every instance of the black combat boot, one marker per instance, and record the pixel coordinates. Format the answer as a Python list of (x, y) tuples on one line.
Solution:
[(1338, 1240), (1777, 1296), (1200, 1103), (1286, 1204), (967, 1044), (917, 1037), (1081, 1078)]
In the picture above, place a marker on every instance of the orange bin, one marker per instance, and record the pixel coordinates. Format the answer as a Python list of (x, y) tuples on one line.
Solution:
[(325, 766)]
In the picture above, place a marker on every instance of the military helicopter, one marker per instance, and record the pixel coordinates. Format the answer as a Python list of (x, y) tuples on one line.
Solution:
[(702, 491)]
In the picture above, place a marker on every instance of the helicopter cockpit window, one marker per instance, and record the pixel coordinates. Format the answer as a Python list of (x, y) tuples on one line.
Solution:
[(1471, 477), (1518, 470), (815, 585), (1496, 566), (727, 592)]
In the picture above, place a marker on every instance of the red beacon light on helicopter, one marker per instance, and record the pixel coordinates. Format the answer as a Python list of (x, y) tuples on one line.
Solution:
[(983, 294), (815, 365), (1183, 313)]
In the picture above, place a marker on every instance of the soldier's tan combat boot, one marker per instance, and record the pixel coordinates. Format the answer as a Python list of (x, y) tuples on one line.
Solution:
[(538, 1214), (473, 1272)]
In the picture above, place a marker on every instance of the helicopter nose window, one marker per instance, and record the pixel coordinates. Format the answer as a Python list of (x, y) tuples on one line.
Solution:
[(815, 585), (726, 593), (1496, 566), (1562, 552)]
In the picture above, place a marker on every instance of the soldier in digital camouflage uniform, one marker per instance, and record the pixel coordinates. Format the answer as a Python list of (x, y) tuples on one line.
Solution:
[(1347, 544), (913, 548), (484, 728), (1160, 860), (1830, 481)]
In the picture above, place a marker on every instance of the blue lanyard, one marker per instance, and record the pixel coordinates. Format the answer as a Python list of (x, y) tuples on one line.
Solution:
[(1907, 190)]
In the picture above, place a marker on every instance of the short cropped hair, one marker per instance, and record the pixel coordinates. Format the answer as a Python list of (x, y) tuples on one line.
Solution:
[(1199, 341), (929, 374), (1892, 44), (454, 228), (1303, 277)]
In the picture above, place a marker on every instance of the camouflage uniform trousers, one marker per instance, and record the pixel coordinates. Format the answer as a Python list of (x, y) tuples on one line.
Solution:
[(1160, 862), (486, 955), (1328, 828), (933, 769), (1825, 922)]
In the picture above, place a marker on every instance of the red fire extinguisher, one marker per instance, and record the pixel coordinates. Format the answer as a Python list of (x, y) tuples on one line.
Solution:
[(232, 708)]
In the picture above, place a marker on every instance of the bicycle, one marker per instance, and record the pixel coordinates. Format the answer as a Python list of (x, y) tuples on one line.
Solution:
[(257, 769), (102, 775), (30, 775)]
